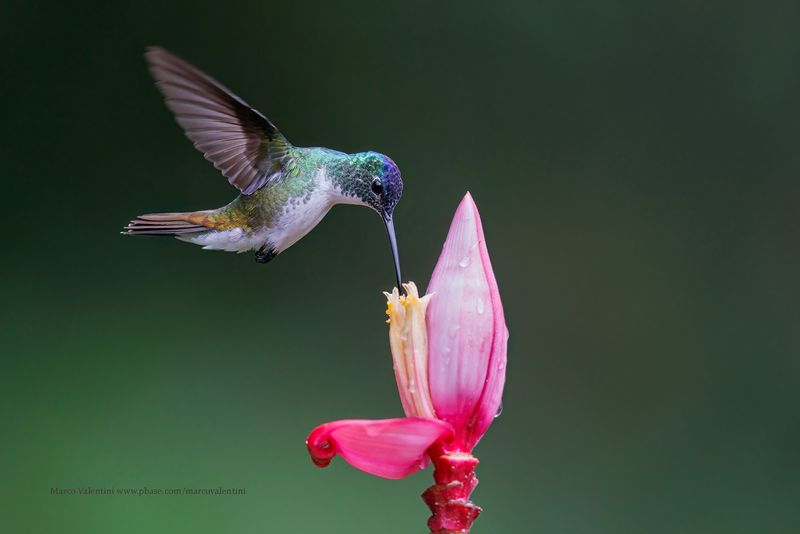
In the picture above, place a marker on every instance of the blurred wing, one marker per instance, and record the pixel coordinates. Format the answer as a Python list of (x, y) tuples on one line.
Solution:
[(241, 142)]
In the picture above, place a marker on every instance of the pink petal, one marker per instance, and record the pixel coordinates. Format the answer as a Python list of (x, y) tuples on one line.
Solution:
[(467, 334), (388, 448)]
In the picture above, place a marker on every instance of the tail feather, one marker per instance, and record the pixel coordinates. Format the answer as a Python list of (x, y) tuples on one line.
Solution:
[(169, 223)]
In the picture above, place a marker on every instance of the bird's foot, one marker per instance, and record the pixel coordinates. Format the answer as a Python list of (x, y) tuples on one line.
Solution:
[(265, 254)]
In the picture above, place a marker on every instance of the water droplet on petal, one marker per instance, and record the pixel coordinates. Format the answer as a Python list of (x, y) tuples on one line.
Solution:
[(479, 306), (464, 262), (499, 411)]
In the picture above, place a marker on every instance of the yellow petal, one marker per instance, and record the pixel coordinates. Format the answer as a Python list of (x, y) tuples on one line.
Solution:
[(408, 338)]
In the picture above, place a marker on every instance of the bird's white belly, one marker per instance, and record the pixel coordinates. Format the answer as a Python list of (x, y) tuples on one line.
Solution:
[(234, 240), (293, 222), (297, 219)]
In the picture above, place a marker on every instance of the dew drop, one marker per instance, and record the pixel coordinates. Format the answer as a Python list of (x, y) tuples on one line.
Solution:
[(464, 262), (479, 306), (499, 411)]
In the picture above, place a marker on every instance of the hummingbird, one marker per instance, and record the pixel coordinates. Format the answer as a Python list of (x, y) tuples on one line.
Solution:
[(284, 190)]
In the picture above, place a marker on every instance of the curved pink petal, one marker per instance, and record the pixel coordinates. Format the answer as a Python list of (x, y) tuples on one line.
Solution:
[(388, 448), (466, 330), (492, 398)]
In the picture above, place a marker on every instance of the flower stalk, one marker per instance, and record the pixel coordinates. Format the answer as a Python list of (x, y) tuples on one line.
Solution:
[(449, 499)]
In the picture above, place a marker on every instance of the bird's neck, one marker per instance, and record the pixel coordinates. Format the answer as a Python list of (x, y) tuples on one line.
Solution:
[(335, 185), (345, 178)]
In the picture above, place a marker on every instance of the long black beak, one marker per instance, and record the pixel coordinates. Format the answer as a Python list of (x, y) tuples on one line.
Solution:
[(393, 242)]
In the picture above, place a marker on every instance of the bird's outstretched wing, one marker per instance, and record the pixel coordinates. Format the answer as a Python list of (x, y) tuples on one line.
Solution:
[(241, 142)]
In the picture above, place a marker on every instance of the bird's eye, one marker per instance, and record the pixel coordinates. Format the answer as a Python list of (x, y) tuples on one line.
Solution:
[(377, 186)]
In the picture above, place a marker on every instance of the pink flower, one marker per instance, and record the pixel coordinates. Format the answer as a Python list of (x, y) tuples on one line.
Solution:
[(449, 352)]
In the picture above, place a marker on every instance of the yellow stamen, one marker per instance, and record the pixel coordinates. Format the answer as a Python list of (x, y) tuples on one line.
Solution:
[(408, 338)]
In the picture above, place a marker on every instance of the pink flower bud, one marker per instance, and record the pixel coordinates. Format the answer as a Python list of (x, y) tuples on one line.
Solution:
[(467, 334)]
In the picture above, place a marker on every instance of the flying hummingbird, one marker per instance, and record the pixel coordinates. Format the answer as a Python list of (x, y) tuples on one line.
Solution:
[(284, 190)]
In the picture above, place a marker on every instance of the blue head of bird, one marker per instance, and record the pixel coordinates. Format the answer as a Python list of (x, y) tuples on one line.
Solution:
[(379, 186)]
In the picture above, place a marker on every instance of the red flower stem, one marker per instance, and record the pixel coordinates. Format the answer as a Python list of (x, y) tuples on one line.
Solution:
[(448, 499)]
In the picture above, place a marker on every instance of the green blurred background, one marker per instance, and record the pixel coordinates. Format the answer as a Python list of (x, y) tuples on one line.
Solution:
[(636, 166)]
